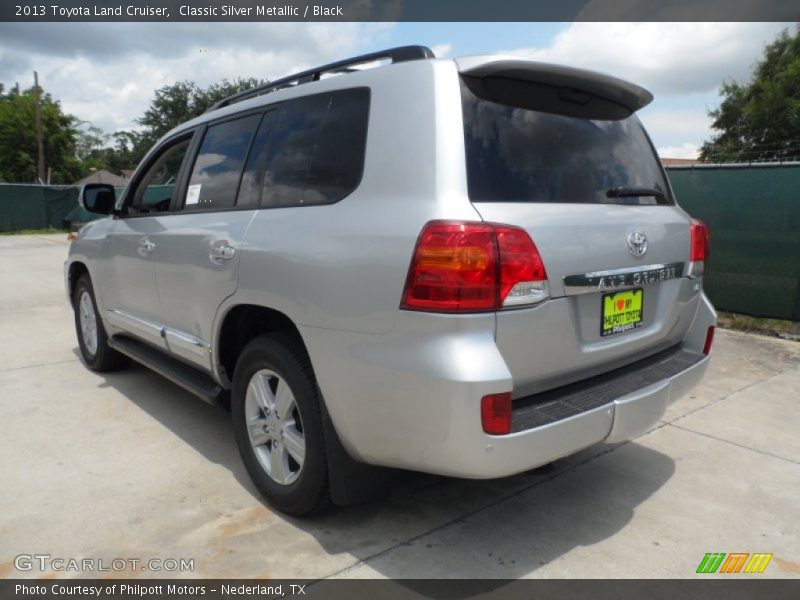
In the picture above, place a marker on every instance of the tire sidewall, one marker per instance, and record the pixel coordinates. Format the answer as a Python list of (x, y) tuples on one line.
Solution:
[(85, 286), (302, 495)]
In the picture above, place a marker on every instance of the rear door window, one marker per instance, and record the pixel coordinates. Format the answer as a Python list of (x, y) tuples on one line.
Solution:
[(253, 177), (518, 154), (218, 166)]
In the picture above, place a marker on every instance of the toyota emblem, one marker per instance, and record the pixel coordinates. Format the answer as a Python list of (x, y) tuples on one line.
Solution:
[(637, 243)]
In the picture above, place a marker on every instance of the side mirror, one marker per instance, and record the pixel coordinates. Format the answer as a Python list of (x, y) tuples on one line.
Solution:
[(98, 198)]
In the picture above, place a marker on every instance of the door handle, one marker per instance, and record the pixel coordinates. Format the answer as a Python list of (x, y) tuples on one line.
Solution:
[(221, 251), (146, 247)]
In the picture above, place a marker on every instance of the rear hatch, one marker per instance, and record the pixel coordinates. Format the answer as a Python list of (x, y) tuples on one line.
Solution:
[(561, 153)]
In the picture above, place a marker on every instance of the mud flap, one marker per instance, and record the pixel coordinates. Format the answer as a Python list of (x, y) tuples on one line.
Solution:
[(351, 482)]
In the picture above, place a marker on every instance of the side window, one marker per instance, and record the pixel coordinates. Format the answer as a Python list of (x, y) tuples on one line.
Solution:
[(250, 188), (218, 166), (155, 188), (316, 153)]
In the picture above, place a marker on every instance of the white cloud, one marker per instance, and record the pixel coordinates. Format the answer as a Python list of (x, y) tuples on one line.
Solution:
[(684, 124), (442, 50), (667, 58), (112, 88), (687, 150)]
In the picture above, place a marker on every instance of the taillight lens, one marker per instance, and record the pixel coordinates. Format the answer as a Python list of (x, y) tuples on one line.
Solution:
[(709, 340), (523, 279), (701, 242), (473, 266), (496, 413)]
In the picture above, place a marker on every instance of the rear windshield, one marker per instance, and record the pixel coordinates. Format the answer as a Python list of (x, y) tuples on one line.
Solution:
[(517, 154)]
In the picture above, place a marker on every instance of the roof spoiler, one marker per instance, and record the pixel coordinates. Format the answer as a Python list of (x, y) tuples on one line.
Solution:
[(612, 97)]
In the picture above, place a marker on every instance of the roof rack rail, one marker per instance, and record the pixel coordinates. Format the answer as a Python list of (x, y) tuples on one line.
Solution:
[(396, 55)]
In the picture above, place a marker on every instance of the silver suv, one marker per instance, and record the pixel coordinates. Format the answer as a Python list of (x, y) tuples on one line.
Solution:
[(469, 267)]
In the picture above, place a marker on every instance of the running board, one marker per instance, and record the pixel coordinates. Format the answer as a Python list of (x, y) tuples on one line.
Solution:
[(190, 379)]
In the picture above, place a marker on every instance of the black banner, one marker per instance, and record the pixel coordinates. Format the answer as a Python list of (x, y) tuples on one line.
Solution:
[(401, 10), (735, 588)]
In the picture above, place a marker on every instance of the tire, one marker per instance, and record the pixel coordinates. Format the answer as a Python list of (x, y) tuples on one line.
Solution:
[(92, 338), (276, 411)]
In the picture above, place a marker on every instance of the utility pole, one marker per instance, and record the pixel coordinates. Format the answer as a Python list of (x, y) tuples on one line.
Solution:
[(37, 96)]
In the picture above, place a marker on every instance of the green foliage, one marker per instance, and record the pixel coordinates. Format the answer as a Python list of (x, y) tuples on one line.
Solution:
[(760, 121), (18, 148), (75, 148), (172, 105)]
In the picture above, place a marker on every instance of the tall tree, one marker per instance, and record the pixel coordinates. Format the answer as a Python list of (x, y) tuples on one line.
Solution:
[(760, 120), (18, 144)]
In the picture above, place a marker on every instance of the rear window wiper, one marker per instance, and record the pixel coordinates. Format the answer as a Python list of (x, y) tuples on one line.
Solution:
[(622, 191)]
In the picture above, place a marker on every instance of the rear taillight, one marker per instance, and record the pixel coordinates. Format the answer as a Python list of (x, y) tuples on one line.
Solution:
[(700, 247), (496, 413), (473, 266), (709, 340)]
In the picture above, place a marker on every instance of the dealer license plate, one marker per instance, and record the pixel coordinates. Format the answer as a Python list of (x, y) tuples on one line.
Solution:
[(622, 311)]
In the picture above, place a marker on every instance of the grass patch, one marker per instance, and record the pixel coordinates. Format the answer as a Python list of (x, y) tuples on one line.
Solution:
[(749, 324), (45, 231)]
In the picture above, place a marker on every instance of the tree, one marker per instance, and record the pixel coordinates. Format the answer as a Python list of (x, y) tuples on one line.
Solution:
[(760, 120), (18, 149), (73, 148), (172, 105)]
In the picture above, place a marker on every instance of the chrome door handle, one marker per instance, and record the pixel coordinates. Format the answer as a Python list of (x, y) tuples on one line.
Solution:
[(221, 251), (146, 247)]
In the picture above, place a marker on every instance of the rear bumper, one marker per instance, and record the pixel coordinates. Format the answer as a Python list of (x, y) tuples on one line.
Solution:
[(621, 419), (413, 401)]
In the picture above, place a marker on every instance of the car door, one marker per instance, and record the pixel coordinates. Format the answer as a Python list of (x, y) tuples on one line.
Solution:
[(128, 272), (198, 255)]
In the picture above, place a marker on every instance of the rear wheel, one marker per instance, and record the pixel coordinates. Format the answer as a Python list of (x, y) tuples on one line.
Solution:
[(275, 405), (92, 339)]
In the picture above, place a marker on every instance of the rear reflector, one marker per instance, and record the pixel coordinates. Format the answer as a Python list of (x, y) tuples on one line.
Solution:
[(709, 340), (496, 413), (468, 266), (701, 242)]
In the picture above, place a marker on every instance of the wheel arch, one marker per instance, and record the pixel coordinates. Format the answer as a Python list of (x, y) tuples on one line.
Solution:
[(76, 269), (239, 325)]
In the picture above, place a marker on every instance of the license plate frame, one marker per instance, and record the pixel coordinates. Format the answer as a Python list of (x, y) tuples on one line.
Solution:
[(628, 320)]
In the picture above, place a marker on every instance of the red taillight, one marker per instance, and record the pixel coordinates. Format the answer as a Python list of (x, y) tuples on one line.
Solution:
[(709, 340), (473, 266), (701, 243), (496, 413), (520, 265)]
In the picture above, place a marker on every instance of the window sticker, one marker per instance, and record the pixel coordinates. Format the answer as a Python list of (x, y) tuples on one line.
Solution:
[(193, 194)]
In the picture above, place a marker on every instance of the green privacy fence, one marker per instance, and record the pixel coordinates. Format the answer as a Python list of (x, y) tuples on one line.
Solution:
[(753, 212), (24, 206), (35, 206)]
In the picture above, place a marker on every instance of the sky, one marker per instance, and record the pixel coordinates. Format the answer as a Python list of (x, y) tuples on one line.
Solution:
[(106, 73)]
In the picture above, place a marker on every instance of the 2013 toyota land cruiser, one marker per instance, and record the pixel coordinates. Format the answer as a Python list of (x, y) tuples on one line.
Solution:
[(469, 267)]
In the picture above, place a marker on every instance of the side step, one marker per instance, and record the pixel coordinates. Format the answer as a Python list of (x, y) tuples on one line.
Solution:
[(199, 384)]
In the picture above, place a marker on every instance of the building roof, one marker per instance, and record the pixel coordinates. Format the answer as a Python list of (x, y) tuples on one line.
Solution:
[(103, 176), (679, 162)]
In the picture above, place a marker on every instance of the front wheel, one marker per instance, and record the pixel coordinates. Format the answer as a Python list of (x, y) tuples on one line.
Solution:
[(275, 405), (92, 339)]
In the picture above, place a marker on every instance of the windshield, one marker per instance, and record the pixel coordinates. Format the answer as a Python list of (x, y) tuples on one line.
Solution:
[(523, 155)]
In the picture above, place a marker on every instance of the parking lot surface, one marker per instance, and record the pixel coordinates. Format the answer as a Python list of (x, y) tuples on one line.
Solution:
[(128, 465)]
